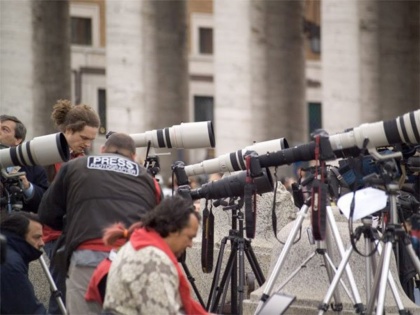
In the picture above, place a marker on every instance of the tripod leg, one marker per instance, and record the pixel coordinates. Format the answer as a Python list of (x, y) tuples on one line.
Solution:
[(280, 261), (217, 270), (54, 291), (253, 262), (413, 256), (375, 287), (337, 299), (336, 234), (241, 286), (334, 282), (394, 288), (384, 277), (338, 305), (341, 280), (368, 267), (222, 287), (294, 273)]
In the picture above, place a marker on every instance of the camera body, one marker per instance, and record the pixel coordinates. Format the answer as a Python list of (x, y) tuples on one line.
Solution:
[(11, 191)]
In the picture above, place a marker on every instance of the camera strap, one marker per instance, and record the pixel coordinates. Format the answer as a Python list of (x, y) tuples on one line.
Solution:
[(207, 243), (250, 201), (319, 196)]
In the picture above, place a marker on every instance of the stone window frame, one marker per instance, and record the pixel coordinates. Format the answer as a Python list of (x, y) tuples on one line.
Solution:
[(91, 11), (200, 20)]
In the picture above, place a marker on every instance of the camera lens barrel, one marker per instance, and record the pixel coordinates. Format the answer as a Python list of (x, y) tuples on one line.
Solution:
[(403, 129), (232, 162), (191, 135), (45, 150), (232, 186)]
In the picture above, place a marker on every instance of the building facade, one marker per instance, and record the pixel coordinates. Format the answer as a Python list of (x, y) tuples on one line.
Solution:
[(260, 70)]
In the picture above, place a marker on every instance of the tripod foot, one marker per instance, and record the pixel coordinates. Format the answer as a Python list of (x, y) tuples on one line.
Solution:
[(337, 307), (404, 312), (323, 307), (359, 308)]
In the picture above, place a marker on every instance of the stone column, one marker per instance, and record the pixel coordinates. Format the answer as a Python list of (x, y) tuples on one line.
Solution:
[(259, 73), (146, 64), (370, 61), (34, 60), (147, 68), (400, 57)]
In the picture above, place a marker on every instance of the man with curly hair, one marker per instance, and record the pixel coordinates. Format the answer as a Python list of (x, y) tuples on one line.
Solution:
[(145, 277)]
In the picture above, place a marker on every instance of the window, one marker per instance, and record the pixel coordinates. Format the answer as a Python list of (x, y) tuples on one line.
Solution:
[(202, 34), (81, 31), (312, 25), (203, 108), (85, 21), (102, 110), (205, 35)]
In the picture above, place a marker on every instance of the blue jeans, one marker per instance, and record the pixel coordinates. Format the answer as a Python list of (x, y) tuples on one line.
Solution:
[(59, 274)]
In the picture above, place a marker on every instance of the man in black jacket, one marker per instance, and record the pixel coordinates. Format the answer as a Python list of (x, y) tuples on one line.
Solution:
[(34, 183), (23, 233), (89, 194)]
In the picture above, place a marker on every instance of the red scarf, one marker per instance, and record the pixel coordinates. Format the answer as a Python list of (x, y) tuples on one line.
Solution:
[(142, 238), (92, 293)]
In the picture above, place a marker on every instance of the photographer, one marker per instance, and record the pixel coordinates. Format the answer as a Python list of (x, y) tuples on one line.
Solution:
[(88, 194), (34, 182), (145, 277), (23, 232), (79, 125)]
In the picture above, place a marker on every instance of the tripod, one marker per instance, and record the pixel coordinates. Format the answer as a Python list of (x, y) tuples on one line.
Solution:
[(392, 231), (239, 247), (370, 238), (356, 299), (376, 292), (54, 291)]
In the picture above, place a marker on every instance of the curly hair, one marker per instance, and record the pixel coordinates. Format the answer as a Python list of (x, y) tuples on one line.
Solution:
[(72, 117), (171, 215)]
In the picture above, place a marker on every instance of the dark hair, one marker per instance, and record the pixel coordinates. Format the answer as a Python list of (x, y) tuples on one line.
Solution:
[(68, 116), (120, 143), (18, 222), (20, 129), (171, 215)]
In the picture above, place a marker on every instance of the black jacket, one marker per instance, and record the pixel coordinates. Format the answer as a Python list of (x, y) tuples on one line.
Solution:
[(37, 176), (17, 294), (90, 193)]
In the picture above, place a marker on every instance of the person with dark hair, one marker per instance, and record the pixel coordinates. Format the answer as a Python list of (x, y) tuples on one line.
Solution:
[(88, 194), (80, 125), (23, 233), (33, 183), (145, 277)]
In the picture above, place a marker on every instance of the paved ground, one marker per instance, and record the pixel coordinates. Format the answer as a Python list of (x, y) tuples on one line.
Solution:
[(40, 280)]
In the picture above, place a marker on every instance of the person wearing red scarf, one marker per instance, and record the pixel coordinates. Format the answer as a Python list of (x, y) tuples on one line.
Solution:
[(145, 277)]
